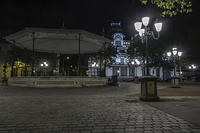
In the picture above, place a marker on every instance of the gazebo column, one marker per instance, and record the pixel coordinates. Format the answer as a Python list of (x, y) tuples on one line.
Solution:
[(58, 64), (61, 65), (79, 53), (33, 55)]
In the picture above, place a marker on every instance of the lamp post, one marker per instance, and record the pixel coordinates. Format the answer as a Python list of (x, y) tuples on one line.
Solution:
[(144, 34), (135, 63), (44, 65), (95, 66), (193, 68), (148, 83), (175, 53)]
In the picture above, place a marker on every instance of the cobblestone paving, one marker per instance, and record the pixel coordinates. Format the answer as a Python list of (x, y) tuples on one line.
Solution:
[(66, 113)]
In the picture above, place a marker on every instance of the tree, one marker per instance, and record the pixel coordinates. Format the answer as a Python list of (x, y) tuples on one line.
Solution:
[(106, 57), (171, 7)]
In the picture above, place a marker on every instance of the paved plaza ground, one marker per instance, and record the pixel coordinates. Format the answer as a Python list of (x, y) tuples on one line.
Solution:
[(109, 109)]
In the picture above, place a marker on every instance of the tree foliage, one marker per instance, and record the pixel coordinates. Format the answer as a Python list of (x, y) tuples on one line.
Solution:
[(171, 7)]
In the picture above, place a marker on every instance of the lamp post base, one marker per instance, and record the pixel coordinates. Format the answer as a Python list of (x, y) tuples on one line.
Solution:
[(175, 82), (149, 88), (155, 98)]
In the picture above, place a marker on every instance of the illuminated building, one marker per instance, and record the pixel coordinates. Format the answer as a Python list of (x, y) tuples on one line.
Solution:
[(123, 66)]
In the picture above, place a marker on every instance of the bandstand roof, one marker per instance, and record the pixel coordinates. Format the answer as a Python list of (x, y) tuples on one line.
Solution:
[(61, 41)]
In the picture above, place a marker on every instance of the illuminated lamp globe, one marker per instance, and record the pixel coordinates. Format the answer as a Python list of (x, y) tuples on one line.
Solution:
[(141, 32), (138, 26), (145, 21), (158, 26), (132, 62), (174, 51), (180, 53), (169, 54), (138, 63)]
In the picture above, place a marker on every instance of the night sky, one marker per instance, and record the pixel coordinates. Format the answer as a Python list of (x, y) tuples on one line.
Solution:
[(92, 15)]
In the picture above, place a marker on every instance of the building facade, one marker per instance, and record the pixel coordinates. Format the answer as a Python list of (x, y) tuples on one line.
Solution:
[(123, 66)]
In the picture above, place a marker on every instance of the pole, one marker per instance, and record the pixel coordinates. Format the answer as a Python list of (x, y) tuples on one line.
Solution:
[(136, 71), (105, 60), (174, 67), (79, 53), (4, 72), (33, 56), (180, 70), (146, 54)]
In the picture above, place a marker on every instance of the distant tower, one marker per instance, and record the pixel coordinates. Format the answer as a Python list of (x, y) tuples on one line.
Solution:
[(120, 44), (120, 66), (115, 27)]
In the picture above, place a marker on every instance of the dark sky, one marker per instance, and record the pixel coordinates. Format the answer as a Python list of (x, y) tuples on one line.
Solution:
[(93, 15)]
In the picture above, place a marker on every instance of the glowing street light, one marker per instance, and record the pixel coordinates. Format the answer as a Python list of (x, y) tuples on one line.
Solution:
[(158, 26), (192, 67), (145, 21), (95, 64), (44, 64), (180, 53), (135, 62), (175, 53), (169, 54), (141, 32), (138, 26), (145, 33)]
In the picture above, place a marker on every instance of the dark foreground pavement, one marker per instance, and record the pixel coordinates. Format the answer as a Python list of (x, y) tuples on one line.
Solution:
[(83, 110), (182, 102), (188, 110)]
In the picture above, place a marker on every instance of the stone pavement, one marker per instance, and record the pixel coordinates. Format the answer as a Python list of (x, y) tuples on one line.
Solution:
[(187, 110), (82, 110)]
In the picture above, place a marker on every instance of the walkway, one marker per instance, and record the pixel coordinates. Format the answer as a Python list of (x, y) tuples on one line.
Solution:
[(83, 110)]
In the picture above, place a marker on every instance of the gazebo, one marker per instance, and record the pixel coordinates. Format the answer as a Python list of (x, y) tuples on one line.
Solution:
[(59, 41)]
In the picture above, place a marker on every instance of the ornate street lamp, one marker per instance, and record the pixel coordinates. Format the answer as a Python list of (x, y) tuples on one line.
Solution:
[(192, 67), (148, 83), (175, 53), (44, 65), (145, 33), (135, 62), (95, 67)]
